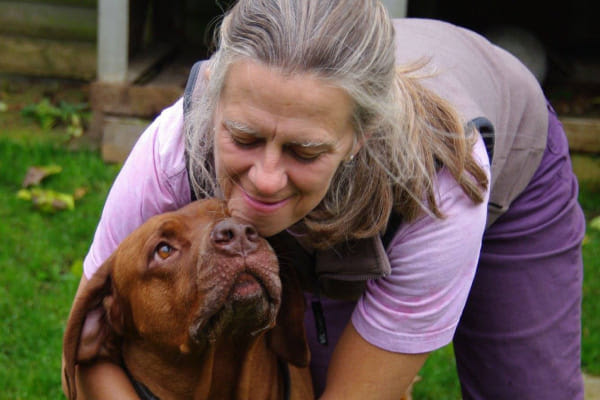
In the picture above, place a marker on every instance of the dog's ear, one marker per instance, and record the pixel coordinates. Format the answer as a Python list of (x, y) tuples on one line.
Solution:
[(288, 338), (90, 330)]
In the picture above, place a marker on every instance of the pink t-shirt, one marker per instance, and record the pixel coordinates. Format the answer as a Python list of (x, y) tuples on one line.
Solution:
[(415, 309)]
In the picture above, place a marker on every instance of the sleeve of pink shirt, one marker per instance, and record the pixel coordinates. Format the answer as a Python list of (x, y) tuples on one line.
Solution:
[(417, 307), (152, 180)]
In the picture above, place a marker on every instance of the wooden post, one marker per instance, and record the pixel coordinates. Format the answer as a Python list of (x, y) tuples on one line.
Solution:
[(113, 39)]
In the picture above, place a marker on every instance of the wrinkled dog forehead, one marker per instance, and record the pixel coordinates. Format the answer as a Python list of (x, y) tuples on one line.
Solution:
[(189, 226), (201, 214)]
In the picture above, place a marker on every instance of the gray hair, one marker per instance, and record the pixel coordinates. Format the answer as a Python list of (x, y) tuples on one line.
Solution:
[(349, 44)]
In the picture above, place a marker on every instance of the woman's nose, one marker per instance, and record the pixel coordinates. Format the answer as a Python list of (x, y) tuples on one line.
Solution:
[(268, 175)]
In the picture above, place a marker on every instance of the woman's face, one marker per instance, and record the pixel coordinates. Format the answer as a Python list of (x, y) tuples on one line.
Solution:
[(278, 142)]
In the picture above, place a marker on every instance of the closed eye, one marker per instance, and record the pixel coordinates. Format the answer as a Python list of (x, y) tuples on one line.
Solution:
[(305, 154), (244, 140)]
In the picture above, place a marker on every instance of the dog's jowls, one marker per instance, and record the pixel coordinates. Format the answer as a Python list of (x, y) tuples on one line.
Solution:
[(194, 306)]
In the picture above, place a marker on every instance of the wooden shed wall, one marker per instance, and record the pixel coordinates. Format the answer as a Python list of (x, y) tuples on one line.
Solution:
[(49, 38)]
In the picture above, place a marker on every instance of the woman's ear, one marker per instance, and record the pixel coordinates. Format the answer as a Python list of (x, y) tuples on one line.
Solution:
[(207, 73), (356, 146)]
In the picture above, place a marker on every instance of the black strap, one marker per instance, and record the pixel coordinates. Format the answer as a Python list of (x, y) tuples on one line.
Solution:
[(320, 323), (143, 391), (392, 226), (486, 129), (190, 85), (187, 104), (284, 369), (140, 388)]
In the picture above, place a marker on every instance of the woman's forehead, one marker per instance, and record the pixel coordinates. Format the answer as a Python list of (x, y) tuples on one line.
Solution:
[(256, 95)]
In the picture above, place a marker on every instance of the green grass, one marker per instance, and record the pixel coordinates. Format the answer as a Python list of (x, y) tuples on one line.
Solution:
[(590, 201), (39, 251)]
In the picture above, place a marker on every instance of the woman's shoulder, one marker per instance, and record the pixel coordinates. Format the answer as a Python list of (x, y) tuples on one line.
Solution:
[(169, 140), (160, 153)]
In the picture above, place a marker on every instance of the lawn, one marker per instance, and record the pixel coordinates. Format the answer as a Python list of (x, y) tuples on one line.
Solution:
[(40, 263)]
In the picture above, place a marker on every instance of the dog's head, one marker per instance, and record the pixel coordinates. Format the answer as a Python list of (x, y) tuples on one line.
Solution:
[(179, 282)]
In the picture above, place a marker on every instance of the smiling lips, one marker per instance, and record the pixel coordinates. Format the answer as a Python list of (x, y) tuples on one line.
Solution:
[(263, 206)]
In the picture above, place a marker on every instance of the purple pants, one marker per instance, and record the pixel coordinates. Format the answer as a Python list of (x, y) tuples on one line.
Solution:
[(520, 333)]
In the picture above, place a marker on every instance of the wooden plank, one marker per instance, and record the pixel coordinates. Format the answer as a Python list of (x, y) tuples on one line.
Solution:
[(583, 134), (132, 100), (76, 3), (47, 58), (48, 21)]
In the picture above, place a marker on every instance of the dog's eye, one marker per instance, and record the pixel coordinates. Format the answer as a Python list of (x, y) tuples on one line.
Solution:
[(163, 251)]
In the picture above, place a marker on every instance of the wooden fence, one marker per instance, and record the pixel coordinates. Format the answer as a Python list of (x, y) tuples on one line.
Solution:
[(49, 38)]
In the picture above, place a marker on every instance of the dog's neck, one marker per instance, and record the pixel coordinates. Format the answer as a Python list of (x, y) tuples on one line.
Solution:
[(224, 370)]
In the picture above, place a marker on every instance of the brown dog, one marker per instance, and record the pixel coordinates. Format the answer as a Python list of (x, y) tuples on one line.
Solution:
[(194, 306)]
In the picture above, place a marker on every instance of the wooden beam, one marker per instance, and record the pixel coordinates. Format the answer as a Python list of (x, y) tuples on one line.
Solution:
[(132, 100), (76, 3), (48, 21), (583, 134), (47, 58)]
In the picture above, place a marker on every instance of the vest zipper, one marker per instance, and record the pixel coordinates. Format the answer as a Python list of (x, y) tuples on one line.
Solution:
[(319, 317)]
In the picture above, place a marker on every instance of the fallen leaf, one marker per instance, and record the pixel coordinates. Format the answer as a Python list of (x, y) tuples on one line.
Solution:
[(24, 194), (36, 174), (586, 240), (48, 201), (74, 131), (77, 268), (80, 192), (595, 223)]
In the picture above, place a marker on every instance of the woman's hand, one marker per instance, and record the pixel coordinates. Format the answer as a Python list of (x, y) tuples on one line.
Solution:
[(103, 380), (359, 370)]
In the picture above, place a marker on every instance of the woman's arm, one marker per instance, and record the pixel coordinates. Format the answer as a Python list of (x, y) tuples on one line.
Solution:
[(101, 379), (359, 370)]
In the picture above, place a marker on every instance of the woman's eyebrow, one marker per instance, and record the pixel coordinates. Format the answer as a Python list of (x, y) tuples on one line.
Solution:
[(244, 128), (309, 144), (239, 126)]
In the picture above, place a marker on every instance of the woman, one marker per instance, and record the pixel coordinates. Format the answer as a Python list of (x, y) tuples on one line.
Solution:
[(339, 132)]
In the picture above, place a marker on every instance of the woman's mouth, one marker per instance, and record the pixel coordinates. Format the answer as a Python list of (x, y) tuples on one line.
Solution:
[(264, 206)]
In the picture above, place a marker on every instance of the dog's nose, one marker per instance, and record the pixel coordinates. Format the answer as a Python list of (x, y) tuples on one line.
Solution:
[(234, 237)]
